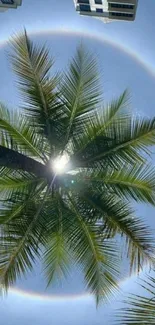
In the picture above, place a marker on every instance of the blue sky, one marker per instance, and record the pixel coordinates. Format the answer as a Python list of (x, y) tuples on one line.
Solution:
[(119, 70)]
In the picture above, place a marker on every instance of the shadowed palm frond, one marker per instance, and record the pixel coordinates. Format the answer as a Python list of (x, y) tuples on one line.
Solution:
[(18, 129), (124, 141), (95, 128), (15, 182), (21, 238), (116, 217)]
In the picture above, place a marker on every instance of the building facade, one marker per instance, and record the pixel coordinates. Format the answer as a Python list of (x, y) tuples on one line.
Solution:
[(108, 10), (7, 4)]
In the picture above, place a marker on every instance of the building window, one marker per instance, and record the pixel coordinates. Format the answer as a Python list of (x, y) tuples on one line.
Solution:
[(98, 2), (121, 14), (7, 2), (122, 6), (99, 10), (83, 1), (85, 8)]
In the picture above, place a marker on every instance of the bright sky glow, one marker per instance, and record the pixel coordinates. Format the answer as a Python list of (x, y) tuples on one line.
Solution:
[(60, 163)]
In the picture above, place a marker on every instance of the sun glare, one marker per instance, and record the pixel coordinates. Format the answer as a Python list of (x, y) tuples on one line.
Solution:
[(59, 164)]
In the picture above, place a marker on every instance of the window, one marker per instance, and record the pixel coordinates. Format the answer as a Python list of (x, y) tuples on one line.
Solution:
[(99, 10), (121, 14), (85, 8), (123, 6), (98, 2), (83, 1), (7, 2)]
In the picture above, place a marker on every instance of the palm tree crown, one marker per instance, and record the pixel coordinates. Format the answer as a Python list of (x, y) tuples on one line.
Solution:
[(73, 216)]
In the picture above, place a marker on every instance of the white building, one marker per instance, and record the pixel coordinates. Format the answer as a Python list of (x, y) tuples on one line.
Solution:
[(7, 4), (107, 10)]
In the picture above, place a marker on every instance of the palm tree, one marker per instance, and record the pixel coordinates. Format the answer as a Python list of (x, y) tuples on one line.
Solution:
[(141, 309), (71, 217)]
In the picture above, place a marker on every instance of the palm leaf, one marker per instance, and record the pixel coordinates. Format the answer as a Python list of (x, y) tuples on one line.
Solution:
[(32, 65), (138, 134), (117, 218), (18, 128), (80, 89), (97, 258), (126, 140), (131, 182), (57, 257), (95, 126), (117, 108), (20, 242), (23, 234), (140, 309), (13, 183)]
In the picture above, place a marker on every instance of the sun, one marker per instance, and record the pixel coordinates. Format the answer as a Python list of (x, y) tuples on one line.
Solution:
[(59, 164)]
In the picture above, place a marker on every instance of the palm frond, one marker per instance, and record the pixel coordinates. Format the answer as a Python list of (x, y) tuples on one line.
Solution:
[(18, 129), (13, 183), (16, 193), (131, 182), (21, 237), (95, 126), (140, 309), (116, 109), (57, 257), (32, 65), (123, 141), (80, 89), (138, 134), (117, 217), (98, 259)]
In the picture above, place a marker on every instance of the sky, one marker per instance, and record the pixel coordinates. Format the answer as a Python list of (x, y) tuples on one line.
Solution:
[(125, 53)]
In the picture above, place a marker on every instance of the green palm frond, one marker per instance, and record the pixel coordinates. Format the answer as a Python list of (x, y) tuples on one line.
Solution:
[(116, 109), (57, 256), (80, 89), (116, 217), (136, 182), (94, 129), (16, 194), (123, 141), (32, 65), (17, 128), (11, 183), (17, 182), (140, 309), (99, 259), (23, 233), (21, 237), (130, 182), (137, 134)]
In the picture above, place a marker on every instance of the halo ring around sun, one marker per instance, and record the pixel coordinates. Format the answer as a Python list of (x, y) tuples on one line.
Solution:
[(140, 61)]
